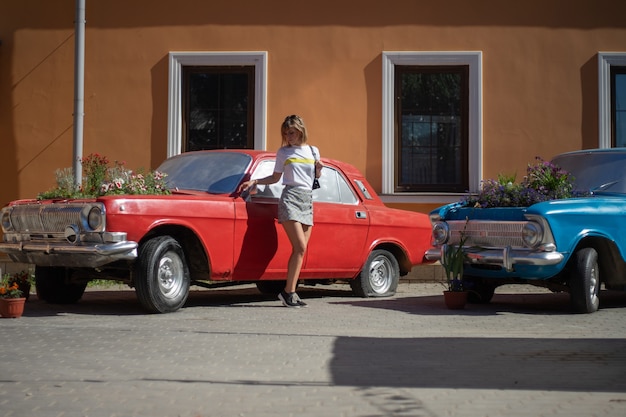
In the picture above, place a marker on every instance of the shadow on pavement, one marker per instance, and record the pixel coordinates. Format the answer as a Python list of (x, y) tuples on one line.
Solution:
[(522, 303), (124, 302), (589, 365), (114, 303)]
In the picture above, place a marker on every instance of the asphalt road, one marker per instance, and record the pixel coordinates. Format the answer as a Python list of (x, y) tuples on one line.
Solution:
[(235, 352)]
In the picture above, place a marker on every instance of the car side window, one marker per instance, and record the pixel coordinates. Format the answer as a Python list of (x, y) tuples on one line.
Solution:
[(265, 169), (334, 188), (363, 189)]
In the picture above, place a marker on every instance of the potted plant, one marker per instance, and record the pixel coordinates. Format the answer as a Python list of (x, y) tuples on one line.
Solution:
[(24, 282), (11, 299), (455, 296)]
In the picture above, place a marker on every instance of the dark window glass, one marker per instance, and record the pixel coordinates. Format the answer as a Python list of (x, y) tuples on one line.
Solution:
[(431, 128), (218, 108), (618, 106)]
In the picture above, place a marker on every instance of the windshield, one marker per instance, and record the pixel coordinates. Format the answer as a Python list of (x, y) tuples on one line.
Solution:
[(215, 173), (596, 172)]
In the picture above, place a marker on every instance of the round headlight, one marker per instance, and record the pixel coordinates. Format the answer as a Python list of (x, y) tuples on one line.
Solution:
[(94, 218), (532, 234), (6, 221), (441, 232)]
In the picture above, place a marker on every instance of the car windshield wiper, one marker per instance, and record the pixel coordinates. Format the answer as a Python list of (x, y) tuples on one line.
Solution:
[(604, 187)]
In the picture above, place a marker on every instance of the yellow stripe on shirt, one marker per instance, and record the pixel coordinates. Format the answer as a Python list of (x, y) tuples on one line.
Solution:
[(299, 160)]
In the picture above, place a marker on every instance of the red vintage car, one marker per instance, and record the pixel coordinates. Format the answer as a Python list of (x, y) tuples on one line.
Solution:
[(206, 234)]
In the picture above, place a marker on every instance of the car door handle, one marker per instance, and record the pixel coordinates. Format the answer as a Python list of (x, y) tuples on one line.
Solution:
[(360, 215)]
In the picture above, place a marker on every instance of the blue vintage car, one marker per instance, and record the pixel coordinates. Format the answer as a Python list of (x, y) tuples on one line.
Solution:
[(573, 244)]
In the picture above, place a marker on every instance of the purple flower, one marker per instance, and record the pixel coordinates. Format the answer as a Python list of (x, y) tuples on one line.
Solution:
[(544, 181)]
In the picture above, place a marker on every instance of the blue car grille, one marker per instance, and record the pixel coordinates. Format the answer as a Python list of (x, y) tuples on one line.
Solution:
[(487, 234)]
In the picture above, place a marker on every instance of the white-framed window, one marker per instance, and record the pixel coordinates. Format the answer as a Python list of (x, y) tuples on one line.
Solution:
[(611, 99), (470, 148), (178, 61)]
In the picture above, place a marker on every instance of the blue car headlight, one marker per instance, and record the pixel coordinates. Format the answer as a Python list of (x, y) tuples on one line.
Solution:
[(441, 233), (7, 226), (532, 234)]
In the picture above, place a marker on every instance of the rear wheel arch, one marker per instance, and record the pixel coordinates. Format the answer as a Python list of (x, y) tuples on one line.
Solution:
[(401, 257)]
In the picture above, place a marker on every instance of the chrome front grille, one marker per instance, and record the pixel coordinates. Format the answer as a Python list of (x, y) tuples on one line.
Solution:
[(42, 219), (49, 220), (487, 234), (67, 234)]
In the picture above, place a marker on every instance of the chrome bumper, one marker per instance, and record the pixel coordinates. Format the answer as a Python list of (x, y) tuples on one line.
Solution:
[(504, 257), (63, 254)]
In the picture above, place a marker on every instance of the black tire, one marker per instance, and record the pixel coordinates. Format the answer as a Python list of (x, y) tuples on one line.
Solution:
[(271, 287), (480, 292), (584, 281), (53, 285), (379, 277), (162, 278)]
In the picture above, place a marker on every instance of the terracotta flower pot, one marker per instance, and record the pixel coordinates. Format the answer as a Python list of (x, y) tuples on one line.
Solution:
[(12, 307), (455, 300)]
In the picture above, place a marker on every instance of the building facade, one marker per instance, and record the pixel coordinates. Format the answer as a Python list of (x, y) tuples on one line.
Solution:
[(425, 98)]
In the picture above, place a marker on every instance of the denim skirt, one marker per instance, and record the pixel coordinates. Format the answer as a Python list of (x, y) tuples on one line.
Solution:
[(296, 204)]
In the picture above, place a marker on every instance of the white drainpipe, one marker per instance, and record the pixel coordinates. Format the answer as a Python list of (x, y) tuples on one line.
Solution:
[(79, 89)]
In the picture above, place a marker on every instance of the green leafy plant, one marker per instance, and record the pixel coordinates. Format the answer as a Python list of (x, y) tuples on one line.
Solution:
[(99, 178), (21, 278), (95, 168), (452, 262)]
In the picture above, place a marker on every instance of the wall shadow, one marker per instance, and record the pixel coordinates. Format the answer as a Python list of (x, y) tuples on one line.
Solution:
[(8, 167), (589, 92), (373, 76), (159, 86)]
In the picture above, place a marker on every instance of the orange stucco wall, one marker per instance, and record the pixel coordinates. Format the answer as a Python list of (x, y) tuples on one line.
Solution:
[(539, 74)]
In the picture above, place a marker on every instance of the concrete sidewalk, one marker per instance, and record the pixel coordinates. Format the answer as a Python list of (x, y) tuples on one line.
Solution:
[(235, 352)]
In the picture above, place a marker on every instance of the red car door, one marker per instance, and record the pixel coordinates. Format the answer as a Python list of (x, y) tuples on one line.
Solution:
[(338, 239)]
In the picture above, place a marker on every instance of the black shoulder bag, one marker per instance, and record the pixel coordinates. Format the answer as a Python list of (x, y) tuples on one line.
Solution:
[(316, 183)]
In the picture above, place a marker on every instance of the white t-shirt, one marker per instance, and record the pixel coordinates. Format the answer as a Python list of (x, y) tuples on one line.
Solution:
[(297, 164)]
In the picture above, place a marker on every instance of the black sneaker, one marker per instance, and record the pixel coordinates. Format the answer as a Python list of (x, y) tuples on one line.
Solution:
[(291, 300), (297, 299)]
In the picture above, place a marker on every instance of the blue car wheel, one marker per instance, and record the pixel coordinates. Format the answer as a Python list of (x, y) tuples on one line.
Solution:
[(584, 281)]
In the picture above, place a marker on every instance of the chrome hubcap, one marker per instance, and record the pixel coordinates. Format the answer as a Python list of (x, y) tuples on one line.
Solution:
[(380, 275), (170, 275), (594, 285)]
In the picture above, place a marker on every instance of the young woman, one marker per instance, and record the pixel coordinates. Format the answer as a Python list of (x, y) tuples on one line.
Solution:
[(298, 164)]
